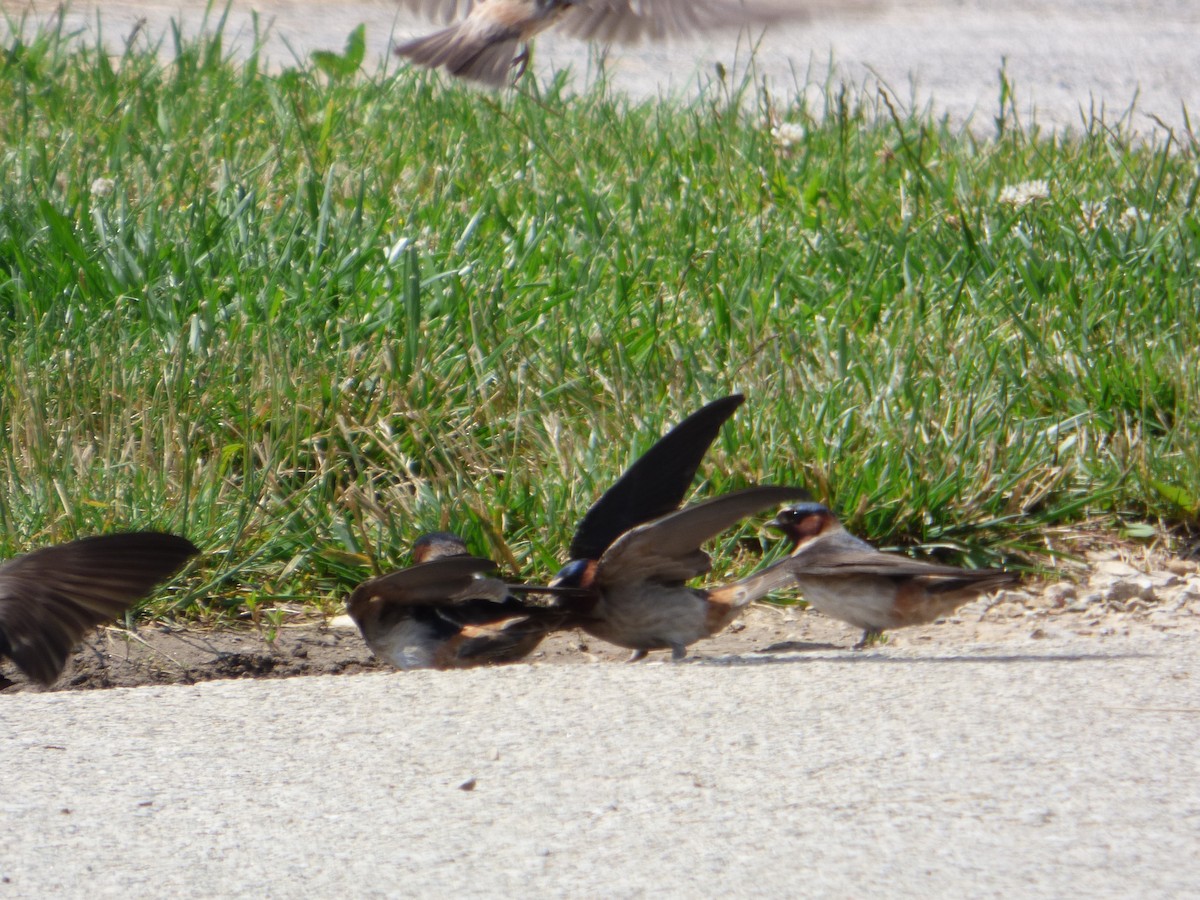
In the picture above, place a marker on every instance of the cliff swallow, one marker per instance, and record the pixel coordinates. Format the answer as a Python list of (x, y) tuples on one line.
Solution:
[(494, 35), (49, 598), (443, 613), (641, 600), (846, 578)]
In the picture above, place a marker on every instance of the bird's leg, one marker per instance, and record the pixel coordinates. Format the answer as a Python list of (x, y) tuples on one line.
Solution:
[(870, 637), (637, 656), (521, 62)]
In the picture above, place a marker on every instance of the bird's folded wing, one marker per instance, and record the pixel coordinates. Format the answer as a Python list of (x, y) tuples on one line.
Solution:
[(438, 581), (824, 560)]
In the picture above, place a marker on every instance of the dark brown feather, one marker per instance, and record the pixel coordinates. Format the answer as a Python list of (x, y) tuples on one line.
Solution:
[(439, 581), (656, 483), (49, 598)]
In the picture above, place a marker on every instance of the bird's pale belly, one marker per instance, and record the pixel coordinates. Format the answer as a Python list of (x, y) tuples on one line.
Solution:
[(650, 617), (864, 602), (405, 645)]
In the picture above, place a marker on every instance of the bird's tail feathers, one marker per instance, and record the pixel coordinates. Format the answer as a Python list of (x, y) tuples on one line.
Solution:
[(727, 601), (978, 582), (506, 641), (464, 54), (745, 591)]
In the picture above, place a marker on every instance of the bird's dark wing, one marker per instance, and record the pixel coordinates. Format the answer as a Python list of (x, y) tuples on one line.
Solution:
[(656, 483), (447, 580), (668, 549), (49, 598)]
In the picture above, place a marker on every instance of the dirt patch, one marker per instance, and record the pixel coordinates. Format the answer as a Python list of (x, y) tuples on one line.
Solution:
[(1119, 594)]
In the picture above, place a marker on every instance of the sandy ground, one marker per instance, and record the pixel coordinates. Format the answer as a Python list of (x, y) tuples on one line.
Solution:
[(1102, 608), (1065, 58)]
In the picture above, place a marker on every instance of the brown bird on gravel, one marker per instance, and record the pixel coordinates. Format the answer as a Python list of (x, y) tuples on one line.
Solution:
[(846, 578), (442, 613), (49, 598), (494, 35)]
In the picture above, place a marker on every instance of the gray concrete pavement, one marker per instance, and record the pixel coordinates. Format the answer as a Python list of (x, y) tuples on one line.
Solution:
[(1065, 767)]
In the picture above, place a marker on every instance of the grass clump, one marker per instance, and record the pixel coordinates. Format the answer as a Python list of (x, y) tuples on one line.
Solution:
[(303, 316)]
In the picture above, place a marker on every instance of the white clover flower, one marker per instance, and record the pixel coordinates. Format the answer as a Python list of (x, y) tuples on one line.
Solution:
[(1024, 193), (788, 134), (1132, 216), (103, 187)]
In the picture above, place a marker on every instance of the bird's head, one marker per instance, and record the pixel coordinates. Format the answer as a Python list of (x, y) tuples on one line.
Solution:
[(438, 545), (805, 522), (578, 573)]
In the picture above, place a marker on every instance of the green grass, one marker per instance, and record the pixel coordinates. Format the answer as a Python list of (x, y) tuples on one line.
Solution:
[(302, 317)]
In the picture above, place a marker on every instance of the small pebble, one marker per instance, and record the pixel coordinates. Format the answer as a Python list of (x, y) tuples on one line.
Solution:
[(1115, 568), (1057, 595)]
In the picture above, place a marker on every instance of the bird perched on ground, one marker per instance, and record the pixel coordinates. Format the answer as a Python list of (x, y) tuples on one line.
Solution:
[(442, 612), (846, 578), (50, 597), (448, 615), (641, 599), (494, 35)]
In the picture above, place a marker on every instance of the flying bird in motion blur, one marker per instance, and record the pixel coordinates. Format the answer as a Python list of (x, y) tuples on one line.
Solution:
[(846, 578), (443, 613), (50, 597), (641, 599), (493, 36)]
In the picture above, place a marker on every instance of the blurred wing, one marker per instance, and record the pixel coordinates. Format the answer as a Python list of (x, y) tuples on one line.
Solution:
[(439, 581), (441, 10), (629, 21), (656, 483), (49, 598), (668, 549)]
